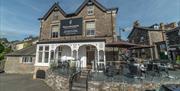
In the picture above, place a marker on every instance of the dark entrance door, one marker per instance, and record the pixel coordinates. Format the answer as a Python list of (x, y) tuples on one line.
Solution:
[(90, 53)]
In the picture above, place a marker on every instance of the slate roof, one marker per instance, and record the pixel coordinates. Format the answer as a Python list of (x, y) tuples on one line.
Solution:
[(176, 29), (143, 28), (56, 5), (29, 51), (122, 44)]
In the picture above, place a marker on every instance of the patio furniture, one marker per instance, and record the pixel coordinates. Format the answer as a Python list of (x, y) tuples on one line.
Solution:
[(110, 71), (134, 71)]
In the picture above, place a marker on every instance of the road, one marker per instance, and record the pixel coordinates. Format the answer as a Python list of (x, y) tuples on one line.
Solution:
[(16, 82)]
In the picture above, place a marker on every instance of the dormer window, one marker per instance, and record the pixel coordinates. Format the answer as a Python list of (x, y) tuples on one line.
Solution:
[(90, 10), (55, 31)]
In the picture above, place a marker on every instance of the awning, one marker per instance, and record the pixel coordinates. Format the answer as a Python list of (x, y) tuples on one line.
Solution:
[(122, 44), (141, 47)]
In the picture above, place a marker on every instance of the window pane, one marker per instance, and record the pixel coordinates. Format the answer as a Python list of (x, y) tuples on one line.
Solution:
[(40, 48), (52, 55), (30, 59), (46, 57), (90, 10), (90, 25), (46, 48), (55, 28), (55, 31), (40, 57)]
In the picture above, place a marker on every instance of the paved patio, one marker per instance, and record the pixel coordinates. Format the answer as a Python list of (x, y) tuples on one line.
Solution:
[(16, 82)]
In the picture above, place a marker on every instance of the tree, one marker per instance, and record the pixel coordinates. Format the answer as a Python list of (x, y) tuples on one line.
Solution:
[(1, 48)]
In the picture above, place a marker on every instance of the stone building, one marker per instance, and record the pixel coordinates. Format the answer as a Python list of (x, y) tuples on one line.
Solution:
[(21, 61), (152, 39), (173, 42), (81, 35)]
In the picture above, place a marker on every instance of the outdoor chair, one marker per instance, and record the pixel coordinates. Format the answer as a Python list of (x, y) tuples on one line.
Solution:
[(110, 71), (60, 65), (133, 70)]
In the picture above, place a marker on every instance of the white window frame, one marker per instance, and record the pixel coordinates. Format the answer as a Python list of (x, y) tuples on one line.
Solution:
[(46, 51), (87, 30), (90, 10), (27, 60), (40, 51)]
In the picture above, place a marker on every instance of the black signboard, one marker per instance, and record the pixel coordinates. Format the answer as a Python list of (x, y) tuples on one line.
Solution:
[(70, 27)]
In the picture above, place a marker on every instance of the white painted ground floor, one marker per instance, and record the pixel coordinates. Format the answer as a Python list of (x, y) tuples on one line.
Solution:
[(85, 54)]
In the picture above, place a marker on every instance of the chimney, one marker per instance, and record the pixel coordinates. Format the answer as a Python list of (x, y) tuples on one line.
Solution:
[(136, 24), (161, 26), (173, 25)]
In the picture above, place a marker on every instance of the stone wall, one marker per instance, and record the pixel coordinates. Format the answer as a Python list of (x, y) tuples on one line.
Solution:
[(113, 86), (61, 83), (15, 65), (57, 82), (104, 21)]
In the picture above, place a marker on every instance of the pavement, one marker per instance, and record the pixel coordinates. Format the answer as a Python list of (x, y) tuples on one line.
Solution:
[(17, 82)]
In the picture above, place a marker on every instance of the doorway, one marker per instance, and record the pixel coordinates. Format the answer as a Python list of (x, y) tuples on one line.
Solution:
[(90, 54)]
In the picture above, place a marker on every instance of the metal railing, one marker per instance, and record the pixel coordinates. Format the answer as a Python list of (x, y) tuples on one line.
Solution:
[(72, 78), (87, 78)]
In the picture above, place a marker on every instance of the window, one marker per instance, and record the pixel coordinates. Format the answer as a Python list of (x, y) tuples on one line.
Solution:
[(55, 31), (142, 39), (46, 55), (52, 55), (40, 54), (90, 10), (90, 28), (27, 60), (59, 52)]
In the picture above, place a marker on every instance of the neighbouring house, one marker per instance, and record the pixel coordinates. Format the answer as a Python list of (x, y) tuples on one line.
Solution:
[(173, 42), (29, 41), (80, 36), (152, 39), (21, 61)]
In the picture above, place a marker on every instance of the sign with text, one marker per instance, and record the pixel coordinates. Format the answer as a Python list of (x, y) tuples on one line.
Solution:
[(70, 27)]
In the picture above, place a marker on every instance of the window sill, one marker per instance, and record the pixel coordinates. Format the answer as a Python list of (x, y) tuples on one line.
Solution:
[(27, 63), (90, 35)]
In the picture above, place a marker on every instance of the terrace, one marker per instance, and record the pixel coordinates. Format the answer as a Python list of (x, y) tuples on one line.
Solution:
[(156, 74)]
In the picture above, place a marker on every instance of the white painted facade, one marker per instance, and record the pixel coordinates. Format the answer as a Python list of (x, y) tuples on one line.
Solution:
[(70, 51)]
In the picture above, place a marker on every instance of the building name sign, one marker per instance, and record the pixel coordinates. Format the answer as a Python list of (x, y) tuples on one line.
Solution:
[(70, 27)]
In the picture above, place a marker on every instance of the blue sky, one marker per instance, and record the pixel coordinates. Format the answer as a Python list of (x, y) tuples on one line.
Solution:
[(18, 18)]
